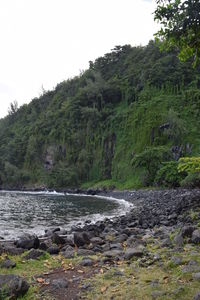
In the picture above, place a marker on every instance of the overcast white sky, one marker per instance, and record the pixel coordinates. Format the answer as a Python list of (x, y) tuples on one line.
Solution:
[(44, 42)]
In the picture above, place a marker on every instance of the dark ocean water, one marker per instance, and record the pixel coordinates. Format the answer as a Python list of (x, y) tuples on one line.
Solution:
[(33, 212)]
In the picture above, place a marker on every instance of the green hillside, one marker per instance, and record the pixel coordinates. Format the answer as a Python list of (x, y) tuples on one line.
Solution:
[(116, 124)]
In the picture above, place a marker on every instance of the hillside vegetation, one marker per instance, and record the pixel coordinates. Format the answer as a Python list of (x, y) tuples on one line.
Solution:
[(124, 122)]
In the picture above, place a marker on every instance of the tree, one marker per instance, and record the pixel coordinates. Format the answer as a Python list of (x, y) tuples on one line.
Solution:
[(13, 108), (180, 21), (151, 159)]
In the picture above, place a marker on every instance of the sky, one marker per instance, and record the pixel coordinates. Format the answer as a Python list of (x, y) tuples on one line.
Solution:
[(43, 42)]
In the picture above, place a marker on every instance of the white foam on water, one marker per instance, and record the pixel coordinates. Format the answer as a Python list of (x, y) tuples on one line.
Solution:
[(123, 208)]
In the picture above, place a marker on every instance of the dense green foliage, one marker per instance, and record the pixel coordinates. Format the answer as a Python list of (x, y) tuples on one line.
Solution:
[(180, 22), (191, 166), (168, 175), (101, 125)]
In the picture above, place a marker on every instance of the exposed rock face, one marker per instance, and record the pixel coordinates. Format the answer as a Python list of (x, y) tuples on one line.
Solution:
[(50, 154)]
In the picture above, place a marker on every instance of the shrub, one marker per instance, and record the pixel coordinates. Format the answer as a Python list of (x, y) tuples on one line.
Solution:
[(191, 181), (168, 175), (189, 164), (151, 160)]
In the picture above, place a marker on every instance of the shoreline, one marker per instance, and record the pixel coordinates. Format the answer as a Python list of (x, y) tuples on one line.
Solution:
[(154, 247), (124, 206), (139, 201)]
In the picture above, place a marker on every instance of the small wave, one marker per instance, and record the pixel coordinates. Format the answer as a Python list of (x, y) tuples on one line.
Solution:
[(122, 208)]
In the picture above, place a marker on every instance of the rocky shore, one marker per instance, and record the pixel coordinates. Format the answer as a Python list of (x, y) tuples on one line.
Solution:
[(154, 247)]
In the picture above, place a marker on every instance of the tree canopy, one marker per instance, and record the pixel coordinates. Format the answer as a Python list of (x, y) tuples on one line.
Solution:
[(180, 26)]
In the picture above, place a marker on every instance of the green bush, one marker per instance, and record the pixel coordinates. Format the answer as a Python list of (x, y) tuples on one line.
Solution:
[(189, 164), (151, 160), (168, 175), (191, 181)]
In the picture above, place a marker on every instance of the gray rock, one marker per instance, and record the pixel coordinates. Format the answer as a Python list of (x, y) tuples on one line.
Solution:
[(59, 283), (13, 250), (157, 294), (121, 238), (33, 254), (106, 247), (196, 236), (54, 249), (187, 231), (58, 240), (43, 246), (113, 253), (7, 263), (68, 253), (191, 268), (1, 250), (85, 252), (86, 286), (133, 252), (81, 239), (118, 273), (86, 262), (177, 260), (196, 276), (28, 242), (178, 240), (12, 286), (166, 242), (97, 241), (68, 248), (197, 296), (49, 232), (116, 246)]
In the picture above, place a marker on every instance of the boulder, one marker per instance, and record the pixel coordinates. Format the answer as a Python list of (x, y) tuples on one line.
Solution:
[(58, 240), (86, 262), (196, 236), (85, 252), (54, 249), (7, 264), (177, 260), (81, 239), (197, 296), (133, 252), (49, 232), (28, 242), (178, 240), (43, 246), (97, 241), (12, 286), (33, 254), (60, 283), (113, 253), (187, 231), (68, 253), (12, 250)]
